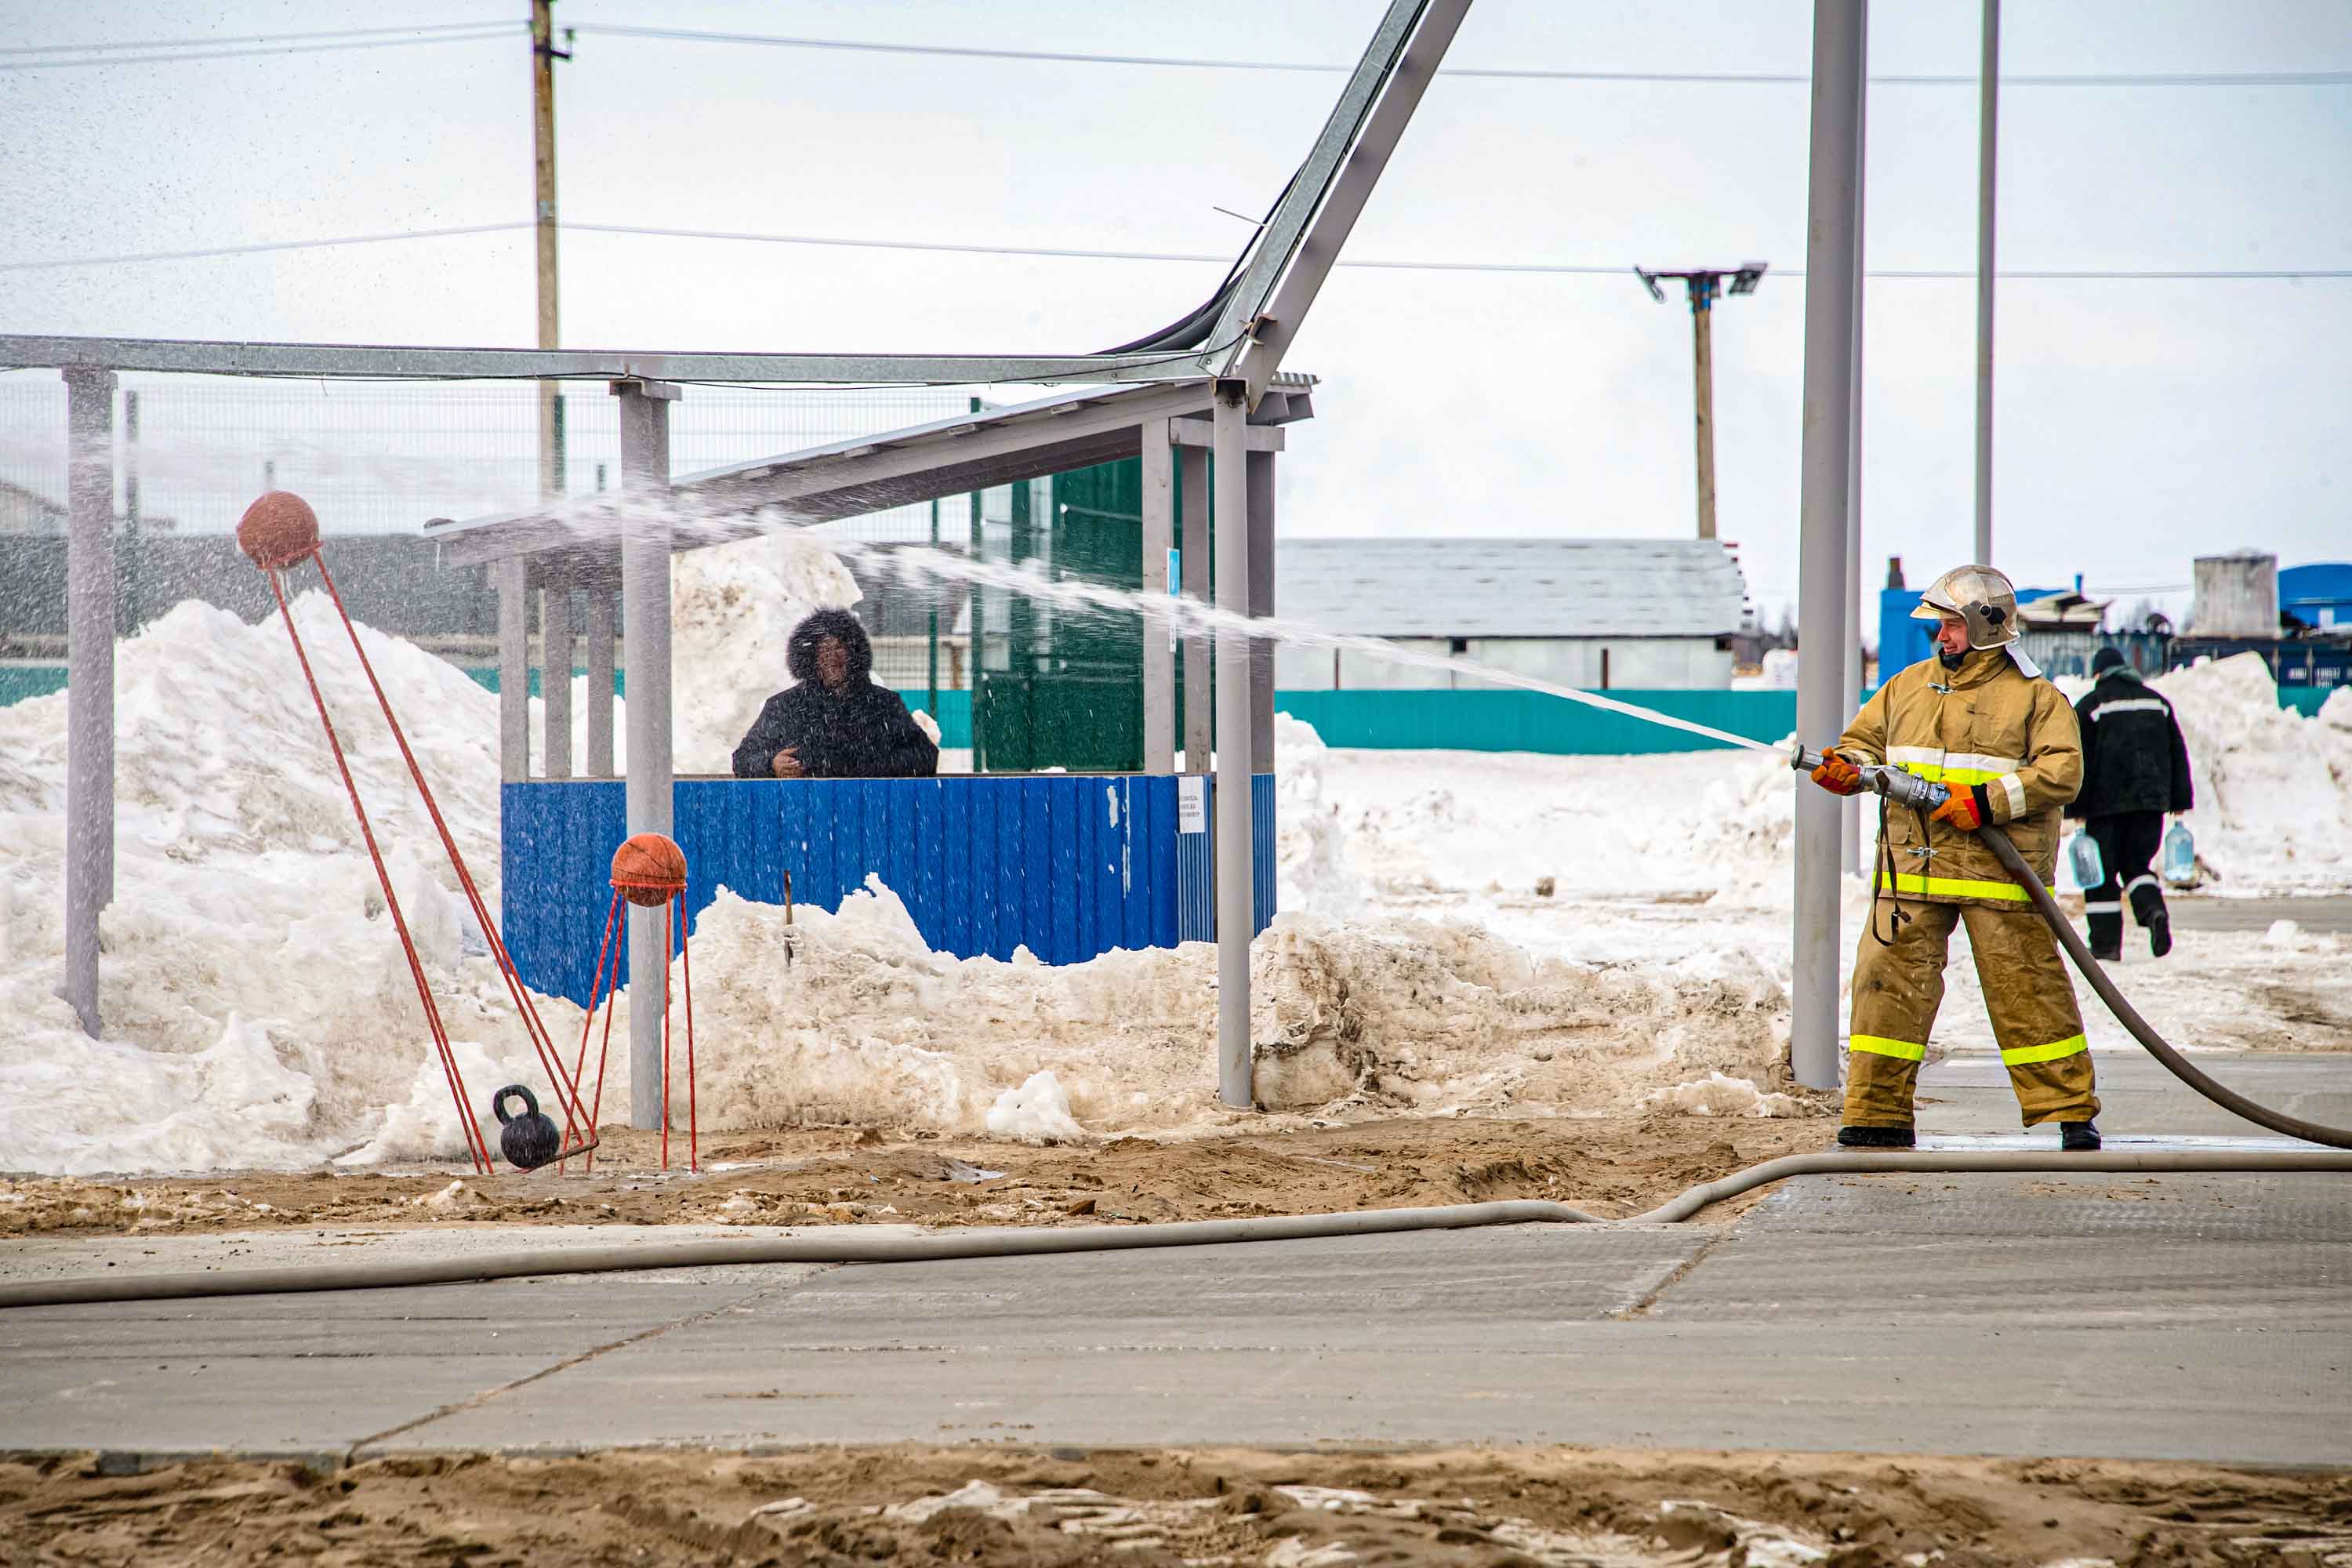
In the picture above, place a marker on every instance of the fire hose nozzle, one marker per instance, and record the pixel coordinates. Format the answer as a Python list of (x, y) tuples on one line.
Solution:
[(1895, 784)]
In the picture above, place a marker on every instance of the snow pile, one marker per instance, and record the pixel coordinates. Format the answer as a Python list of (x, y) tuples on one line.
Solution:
[(733, 608), (1036, 1112), (2273, 810), (1718, 1094), (870, 1026), (256, 1007)]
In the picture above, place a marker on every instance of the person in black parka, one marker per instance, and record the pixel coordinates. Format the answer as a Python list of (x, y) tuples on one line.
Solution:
[(834, 723), (2135, 770)]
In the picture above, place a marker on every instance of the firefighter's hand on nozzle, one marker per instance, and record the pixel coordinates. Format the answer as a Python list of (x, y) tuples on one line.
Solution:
[(1960, 810), (1837, 775)]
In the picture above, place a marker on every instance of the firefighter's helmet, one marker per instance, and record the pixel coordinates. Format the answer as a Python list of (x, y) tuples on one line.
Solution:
[(1980, 596)]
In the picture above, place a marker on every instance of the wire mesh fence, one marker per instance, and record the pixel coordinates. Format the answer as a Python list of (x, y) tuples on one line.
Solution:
[(383, 458)]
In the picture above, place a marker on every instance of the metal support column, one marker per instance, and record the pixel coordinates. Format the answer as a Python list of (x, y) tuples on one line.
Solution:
[(1193, 470), (1988, 141), (1850, 812), (645, 628), (1261, 603), (513, 578), (1825, 612), (1236, 880), (598, 763), (555, 674), (1159, 541), (90, 681)]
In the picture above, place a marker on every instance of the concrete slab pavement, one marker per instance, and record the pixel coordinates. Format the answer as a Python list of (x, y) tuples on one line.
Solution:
[(2189, 1317)]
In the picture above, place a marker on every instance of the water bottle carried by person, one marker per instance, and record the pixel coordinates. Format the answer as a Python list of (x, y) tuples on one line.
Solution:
[(2179, 855), (2082, 859)]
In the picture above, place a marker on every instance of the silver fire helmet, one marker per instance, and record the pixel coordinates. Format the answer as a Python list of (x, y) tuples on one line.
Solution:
[(1980, 596)]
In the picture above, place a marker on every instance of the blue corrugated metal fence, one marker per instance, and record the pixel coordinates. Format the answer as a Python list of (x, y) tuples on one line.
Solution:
[(1068, 866)]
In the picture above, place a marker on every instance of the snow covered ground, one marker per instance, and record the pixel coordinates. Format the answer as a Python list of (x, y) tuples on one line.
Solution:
[(259, 1014)]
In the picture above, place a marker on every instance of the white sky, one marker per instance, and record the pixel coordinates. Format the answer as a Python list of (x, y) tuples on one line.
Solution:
[(2139, 423)]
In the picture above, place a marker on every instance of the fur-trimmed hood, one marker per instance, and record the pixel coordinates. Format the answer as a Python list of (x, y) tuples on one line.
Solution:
[(800, 652)]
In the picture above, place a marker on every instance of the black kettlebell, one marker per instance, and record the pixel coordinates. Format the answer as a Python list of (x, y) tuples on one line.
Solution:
[(527, 1140)]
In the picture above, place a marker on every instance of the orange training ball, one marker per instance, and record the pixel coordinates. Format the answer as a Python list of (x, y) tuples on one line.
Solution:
[(648, 869), (277, 530)]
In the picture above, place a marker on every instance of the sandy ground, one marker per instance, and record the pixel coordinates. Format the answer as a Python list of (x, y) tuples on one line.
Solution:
[(1612, 1165), (1012, 1506)]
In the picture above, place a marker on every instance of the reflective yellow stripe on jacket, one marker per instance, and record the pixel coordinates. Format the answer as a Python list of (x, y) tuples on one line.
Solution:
[(1963, 768), (1953, 887)]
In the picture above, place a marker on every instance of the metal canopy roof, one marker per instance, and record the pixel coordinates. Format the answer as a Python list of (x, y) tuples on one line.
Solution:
[(871, 473), (1513, 587), (316, 361)]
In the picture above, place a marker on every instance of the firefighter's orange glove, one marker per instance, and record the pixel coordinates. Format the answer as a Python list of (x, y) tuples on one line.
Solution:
[(1960, 811), (1837, 775)]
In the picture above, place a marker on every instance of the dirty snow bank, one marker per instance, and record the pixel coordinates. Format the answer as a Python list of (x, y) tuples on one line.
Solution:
[(2273, 809), (869, 1026), (258, 1010)]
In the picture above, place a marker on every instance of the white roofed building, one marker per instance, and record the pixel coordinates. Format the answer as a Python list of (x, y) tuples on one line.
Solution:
[(1596, 613)]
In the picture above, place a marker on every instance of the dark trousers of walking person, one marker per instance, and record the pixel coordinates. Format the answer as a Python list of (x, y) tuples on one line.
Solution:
[(2127, 843)]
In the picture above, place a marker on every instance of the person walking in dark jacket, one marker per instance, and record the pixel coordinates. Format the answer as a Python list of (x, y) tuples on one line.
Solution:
[(836, 723), (2135, 769)]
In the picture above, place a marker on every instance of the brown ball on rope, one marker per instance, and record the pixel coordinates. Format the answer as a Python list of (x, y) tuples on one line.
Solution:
[(648, 869), (279, 530)]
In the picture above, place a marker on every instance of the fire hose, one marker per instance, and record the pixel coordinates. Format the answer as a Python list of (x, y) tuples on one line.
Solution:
[(1889, 782), (1902, 788)]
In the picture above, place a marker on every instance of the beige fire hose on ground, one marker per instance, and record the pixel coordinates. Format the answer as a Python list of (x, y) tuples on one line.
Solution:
[(852, 1248)]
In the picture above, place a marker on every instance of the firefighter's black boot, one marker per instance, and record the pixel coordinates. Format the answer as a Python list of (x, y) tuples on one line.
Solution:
[(1876, 1138), (2078, 1137), (2148, 908)]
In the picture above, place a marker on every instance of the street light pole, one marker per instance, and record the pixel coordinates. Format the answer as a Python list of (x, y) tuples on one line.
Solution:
[(1705, 286)]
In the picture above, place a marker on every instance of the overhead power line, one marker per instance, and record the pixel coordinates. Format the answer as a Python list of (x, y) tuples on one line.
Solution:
[(25, 58), (1066, 253), (56, 57), (331, 34), (1750, 79), (207, 252)]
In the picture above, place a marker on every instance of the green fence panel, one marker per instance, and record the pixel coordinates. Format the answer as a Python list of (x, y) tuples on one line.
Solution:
[(18, 681)]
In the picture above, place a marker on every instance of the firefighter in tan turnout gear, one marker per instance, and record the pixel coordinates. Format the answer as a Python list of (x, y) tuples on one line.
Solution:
[(1978, 717)]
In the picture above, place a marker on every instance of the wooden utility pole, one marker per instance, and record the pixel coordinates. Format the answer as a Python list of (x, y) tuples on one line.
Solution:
[(544, 55), (1703, 355)]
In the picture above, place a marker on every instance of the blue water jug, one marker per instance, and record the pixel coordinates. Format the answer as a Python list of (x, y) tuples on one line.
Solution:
[(2082, 859), (2180, 854)]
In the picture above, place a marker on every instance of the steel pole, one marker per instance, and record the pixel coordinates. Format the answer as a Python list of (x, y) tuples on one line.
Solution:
[(1987, 142), (1193, 507), (1850, 814), (90, 681), (1158, 540), (1702, 385), (513, 578), (555, 674), (1822, 607), (1235, 875), (1261, 605), (598, 763), (645, 642)]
